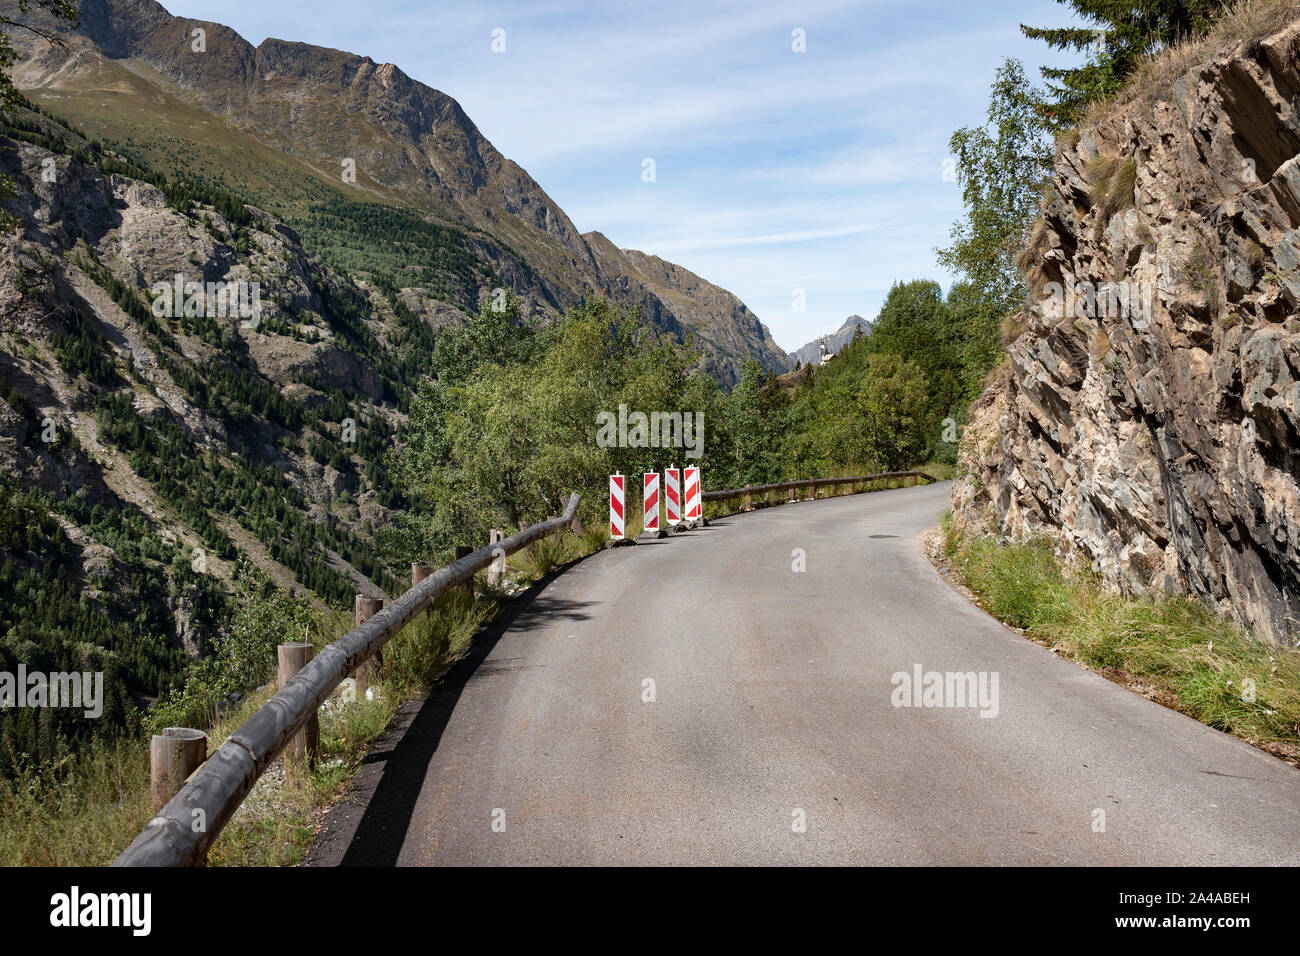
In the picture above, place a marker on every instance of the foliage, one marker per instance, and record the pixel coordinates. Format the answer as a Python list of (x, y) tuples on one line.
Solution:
[(244, 656), (1002, 168), (1122, 34)]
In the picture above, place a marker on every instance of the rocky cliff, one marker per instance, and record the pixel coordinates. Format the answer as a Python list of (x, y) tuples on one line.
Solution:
[(1148, 415)]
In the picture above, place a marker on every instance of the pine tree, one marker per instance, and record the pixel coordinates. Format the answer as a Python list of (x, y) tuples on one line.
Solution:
[(1124, 32)]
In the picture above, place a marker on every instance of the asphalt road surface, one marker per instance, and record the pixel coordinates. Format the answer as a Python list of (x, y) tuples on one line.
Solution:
[(773, 707)]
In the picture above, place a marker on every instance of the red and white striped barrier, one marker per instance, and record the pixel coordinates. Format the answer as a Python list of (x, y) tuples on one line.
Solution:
[(693, 510), (673, 495), (650, 499), (616, 510)]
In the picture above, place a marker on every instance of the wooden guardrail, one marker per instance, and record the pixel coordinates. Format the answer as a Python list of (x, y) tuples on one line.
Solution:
[(184, 829), (813, 483)]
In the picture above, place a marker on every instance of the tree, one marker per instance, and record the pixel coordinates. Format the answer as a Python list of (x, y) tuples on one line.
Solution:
[(916, 324), (1002, 168), (1124, 32)]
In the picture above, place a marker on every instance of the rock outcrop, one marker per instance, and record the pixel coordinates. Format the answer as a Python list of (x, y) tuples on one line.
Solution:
[(1155, 430)]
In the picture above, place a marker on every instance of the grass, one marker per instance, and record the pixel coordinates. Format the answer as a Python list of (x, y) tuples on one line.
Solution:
[(1175, 650), (1111, 181)]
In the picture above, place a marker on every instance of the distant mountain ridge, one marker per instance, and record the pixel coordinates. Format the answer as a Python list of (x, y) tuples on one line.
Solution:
[(277, 123), (811, 353)]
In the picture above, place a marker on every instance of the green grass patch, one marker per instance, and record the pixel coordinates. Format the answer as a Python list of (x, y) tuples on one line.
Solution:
[(1175, 649)]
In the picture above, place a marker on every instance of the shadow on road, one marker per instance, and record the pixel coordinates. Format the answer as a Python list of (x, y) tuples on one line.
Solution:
[(369, 827)]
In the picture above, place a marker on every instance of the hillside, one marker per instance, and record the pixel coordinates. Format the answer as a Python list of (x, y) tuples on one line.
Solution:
[(143, 454), (283, 123), (1155, 441)]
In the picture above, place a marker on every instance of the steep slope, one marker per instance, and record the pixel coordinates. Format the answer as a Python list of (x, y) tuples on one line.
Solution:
[(679, 300), (841, 337), (1158, 443), (162, 446), (310, 114)]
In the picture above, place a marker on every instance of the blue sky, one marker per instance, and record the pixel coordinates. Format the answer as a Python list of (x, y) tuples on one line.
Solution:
[(774, 170)]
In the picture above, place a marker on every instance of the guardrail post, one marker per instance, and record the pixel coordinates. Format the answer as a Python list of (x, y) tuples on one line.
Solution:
[(461, 551), (300, 754), (576, 524), (419, 572), (174, 754), (749, 502), (367, 607), (498, 566)]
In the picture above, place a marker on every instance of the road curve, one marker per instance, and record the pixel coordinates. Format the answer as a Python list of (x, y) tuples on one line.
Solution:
[(773, 697)]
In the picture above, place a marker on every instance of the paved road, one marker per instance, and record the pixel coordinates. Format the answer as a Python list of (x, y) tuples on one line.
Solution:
[(773, 695)]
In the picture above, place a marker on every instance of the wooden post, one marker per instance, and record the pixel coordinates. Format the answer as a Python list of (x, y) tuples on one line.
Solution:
[(367, 607), (300, 754), (790, 494), (461, 551), (419, 572), (576, 524), (174, 754), (749, 502), (498, 566)]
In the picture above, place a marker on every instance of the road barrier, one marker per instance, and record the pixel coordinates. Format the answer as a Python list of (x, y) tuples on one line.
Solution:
[(617, 506), (184, 829), (813, 483), (673, 495), (694, 510), (650, 500)]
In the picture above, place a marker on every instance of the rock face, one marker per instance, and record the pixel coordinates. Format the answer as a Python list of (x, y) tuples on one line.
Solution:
[(1158, 441)]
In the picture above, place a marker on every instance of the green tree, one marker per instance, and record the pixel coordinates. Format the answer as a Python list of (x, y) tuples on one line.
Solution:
[(1123, 32), (891, 408), (916, 324), (1002, 167)]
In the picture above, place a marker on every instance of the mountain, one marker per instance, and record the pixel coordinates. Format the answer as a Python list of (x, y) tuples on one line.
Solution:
[(680, 301), (281, 123), (811, 353)]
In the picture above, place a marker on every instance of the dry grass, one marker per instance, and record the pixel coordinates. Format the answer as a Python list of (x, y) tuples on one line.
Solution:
[(1012, 327), (1111, 182), (1250, 20)]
